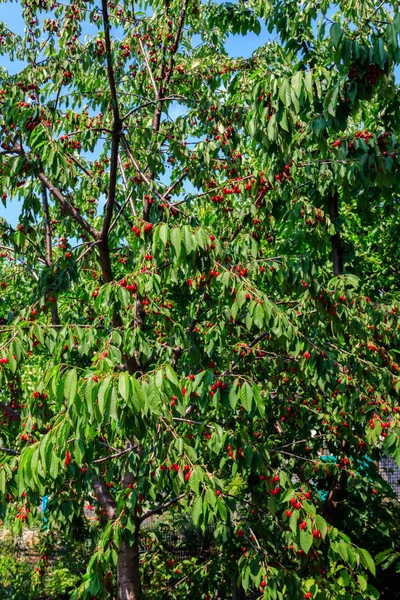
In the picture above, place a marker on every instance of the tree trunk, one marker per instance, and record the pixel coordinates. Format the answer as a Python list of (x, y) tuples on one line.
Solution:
[(238, 592), (128, 571), (336, 241), (130, 362)]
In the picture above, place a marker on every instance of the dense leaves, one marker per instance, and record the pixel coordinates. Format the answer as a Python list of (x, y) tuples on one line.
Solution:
[(200, 300)]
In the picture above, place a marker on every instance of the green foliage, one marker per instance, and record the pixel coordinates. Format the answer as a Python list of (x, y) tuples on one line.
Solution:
[(200, 303), (37, 572), (15, 575)]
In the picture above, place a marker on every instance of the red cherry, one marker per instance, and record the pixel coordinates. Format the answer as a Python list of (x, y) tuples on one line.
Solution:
[(316, 533)]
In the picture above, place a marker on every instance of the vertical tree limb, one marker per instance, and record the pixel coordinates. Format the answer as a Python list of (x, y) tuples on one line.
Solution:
[(165, 79), (116, 129)]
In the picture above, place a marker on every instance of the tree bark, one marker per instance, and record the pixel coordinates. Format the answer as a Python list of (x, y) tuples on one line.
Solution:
[(336, 241), (238, 592), (128, 570)]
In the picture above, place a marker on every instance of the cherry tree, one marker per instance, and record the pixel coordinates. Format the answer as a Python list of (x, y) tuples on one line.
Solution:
[(200, 298)]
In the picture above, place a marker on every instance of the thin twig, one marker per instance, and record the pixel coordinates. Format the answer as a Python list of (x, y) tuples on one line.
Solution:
[(146, 60), (162, 507), (9, 451), (116, 455)]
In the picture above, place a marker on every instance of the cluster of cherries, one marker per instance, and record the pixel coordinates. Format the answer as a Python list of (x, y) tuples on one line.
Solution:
[(370, 75)]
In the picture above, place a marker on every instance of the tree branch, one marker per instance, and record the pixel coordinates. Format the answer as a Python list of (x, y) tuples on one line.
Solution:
[(105, 499), (68, 207), (10, 412), (160, 508), (146, 60), (175, 46), (9, 451), (116, 455), (110, 70), (116, 129), (129, 199)]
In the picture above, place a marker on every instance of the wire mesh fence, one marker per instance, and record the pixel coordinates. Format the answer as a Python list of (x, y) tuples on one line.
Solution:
[(390, 471)]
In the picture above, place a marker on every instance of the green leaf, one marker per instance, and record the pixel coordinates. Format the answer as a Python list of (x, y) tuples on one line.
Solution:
[(171, 375), (246, 396), (124, 385), (293, 521), (362, 582), (188, 239), (245, 578), (222, 509), (104, 395), (176, 240), (297, 83), (137, 397), (336, 34), (366, 560), (380, 52), (258, 316), (70, 385), (197, 510), (195, 479), (272, 129), (342, 549), (211, 497), (164, 232), (233, 399), (343, 578), (322, 525), (285, 93), (306, 540), (331, 101), (308, 84)]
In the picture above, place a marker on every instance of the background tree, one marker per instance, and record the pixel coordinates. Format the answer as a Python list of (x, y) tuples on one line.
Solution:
[(198, 314)]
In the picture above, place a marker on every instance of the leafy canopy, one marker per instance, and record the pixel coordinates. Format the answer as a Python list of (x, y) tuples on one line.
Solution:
[(200, 301)]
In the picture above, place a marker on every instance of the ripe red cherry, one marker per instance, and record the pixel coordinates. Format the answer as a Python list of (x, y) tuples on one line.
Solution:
[(316, 533)]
